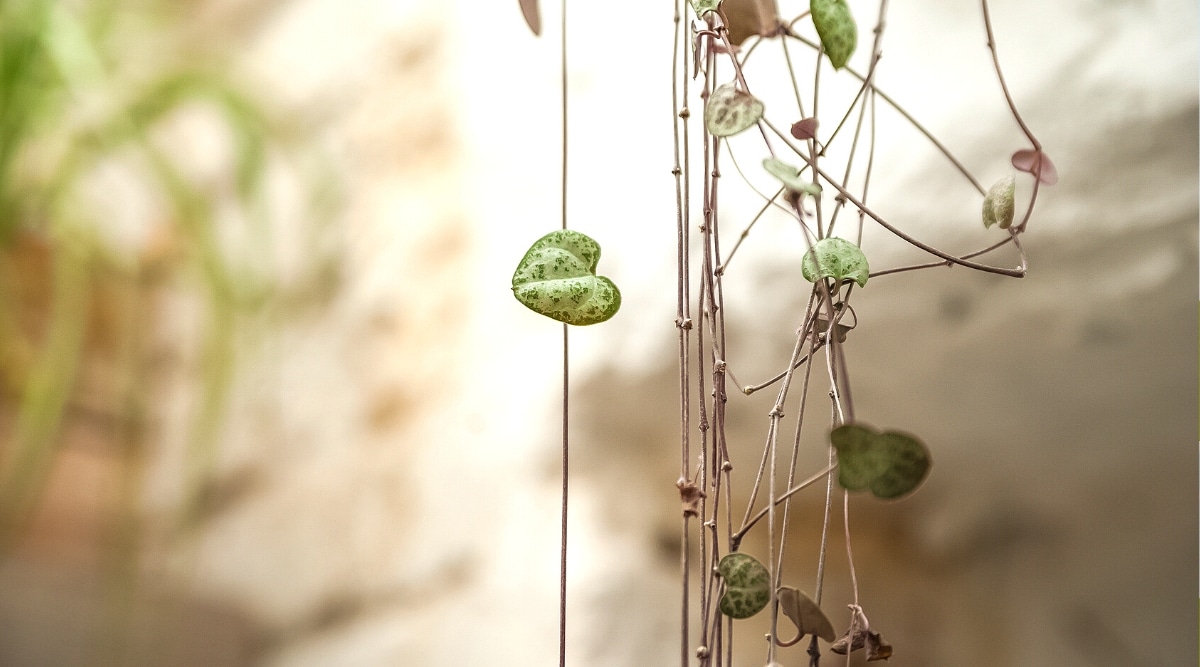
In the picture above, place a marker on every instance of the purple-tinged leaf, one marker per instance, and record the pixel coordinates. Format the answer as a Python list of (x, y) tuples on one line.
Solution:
[(533, 18), (805, 129), (1037, 163)]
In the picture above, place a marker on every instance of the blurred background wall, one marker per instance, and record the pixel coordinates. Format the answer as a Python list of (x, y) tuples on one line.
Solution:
[(267, 401)]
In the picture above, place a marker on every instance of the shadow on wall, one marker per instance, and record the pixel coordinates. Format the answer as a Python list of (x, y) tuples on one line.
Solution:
[(1056, 408)]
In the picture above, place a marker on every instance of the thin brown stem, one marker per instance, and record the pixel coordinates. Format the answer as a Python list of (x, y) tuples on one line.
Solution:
[(737, 537), (1012, 106), (566, 384)]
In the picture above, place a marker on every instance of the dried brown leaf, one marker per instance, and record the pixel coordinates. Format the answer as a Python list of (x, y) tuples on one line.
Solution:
[(533, 18), (805, 129), (877, 647), (689, 495)]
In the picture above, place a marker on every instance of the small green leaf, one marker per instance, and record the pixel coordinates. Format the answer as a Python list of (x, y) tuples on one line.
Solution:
[(837, 29), (805, 613), (703, 7), (998, 205), (835, 258), (790, 177), (731, 110), (557, 278), (747, 585), (890, 464)]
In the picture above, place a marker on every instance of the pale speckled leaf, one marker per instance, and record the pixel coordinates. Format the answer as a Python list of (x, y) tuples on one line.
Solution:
[(790, 177), (889, 464), (835, 258), (998, 205), (702, 7), (557, 278), (731, 110), (747, 585), (837, 29)]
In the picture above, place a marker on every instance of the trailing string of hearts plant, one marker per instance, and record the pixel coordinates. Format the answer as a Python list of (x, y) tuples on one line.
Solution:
[(557, 278), (733, 584)]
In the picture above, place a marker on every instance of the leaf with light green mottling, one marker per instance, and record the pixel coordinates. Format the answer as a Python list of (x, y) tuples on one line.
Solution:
[(837, 29), (703, 7), (731, 110), (790, 177), (835, 258), (557, 278), (747, 585), (889, 464), (998, 206)]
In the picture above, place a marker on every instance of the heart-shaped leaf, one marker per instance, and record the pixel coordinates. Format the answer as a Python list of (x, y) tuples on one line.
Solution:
[(805, 613), (557, 278), (998, 205), (805, 128), (790, 177), (1037, 163), (890, 464), (835, 258), (731, 110), (747, 585), (703, 7), (837, 29)]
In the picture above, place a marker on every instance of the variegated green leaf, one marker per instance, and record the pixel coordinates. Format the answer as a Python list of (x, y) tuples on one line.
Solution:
[(837, 29), (998, 206), (747, 585), (731, 110), (837, 258), (557, 278)]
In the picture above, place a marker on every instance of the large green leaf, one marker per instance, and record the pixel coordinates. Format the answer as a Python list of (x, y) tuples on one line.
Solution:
[(889, 464), (747, 585), (557, 278), (836, 258), (837, 29)]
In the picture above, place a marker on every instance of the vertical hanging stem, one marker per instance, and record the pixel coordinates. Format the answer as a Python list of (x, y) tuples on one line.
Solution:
[(562, 569), (684, 325)]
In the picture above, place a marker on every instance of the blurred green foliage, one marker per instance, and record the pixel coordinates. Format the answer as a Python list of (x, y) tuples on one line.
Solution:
[(78, 95)]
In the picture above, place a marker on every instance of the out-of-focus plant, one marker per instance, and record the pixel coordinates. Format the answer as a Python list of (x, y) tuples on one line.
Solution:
[(79, 100)]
